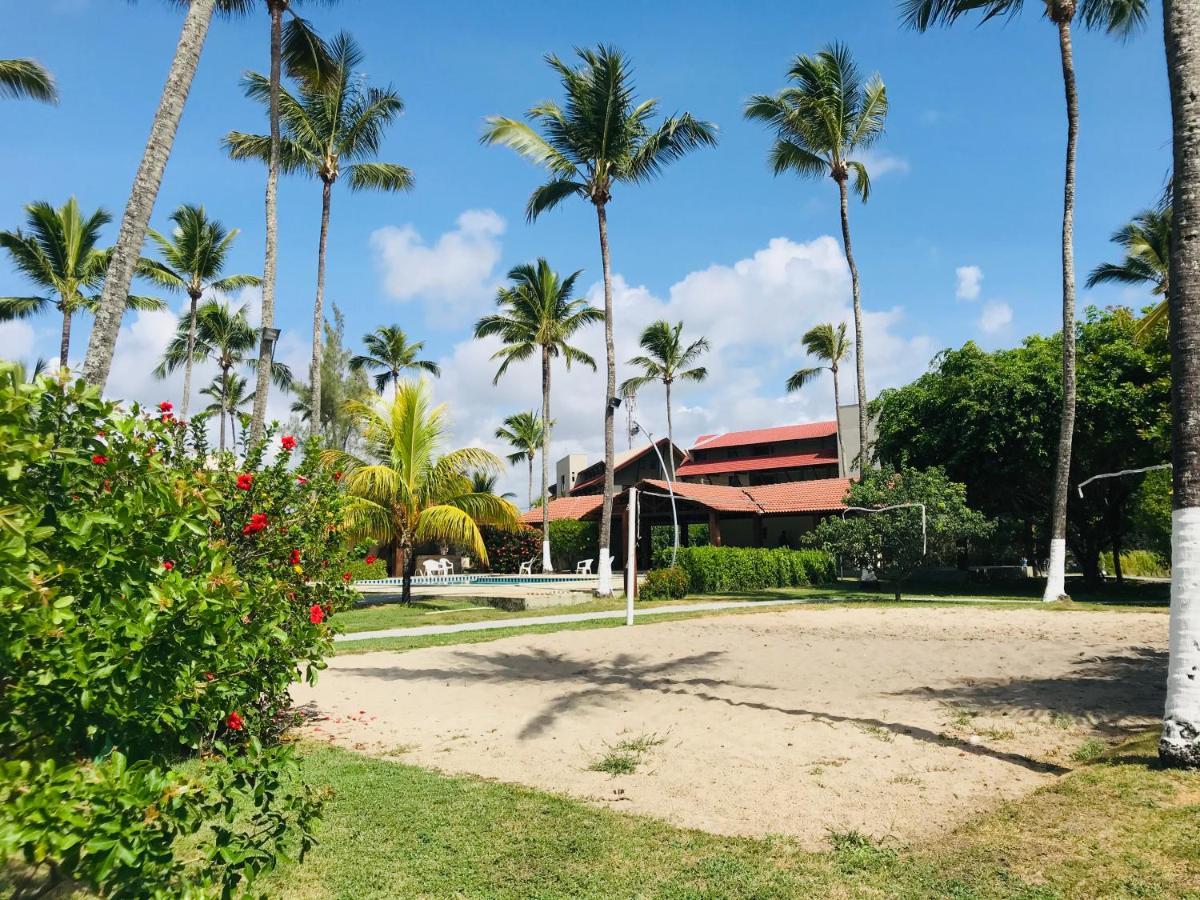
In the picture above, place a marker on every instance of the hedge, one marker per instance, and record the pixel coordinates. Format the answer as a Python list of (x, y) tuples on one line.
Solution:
[(715, 570), (664, 584), (507, 548), (571, 541)]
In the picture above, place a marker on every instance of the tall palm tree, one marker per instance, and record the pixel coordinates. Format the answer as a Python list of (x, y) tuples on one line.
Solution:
[(485, 483), (1117, 17), (193, 256), (666, 360), (822, 121), (828, 343), (334, 121), (407, 489), (58, 252), (1146, 241), (26, 78), (1180, 741), (539, 316), (229, 394), (525, 434), (598, 138), (389, 355)]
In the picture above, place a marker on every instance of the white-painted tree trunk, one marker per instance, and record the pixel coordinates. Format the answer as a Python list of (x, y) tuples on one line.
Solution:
[(604, 574), (1056, 571), (547, 565), (1180, 739)]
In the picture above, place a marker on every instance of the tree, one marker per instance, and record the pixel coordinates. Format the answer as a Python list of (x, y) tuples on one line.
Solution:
[(524, 432), (598, 138), (334, 121), (406, 490), (25, 78), (1146, 241), (539, 316), (390, 355), (341, 385), (193, 256), (827, 343), (485, 483), (666, 360), (891, 543), (821, 121), (1180, 741), (59, 253), (1117, 17), (228, 392)]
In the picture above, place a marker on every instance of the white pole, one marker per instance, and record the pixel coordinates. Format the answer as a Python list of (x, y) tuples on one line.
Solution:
[(631, 556)]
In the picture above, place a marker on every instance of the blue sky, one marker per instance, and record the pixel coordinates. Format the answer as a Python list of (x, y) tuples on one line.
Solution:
[(968, 175)]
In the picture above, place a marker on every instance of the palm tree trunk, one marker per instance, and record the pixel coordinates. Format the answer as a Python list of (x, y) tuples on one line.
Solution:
[(64, 342), (529, 459), (604, 571), (408, 565), (193, 296), (149, 175), (224, 402), (1056, 585), (314, 372), (266, 348), (670, 430), (859, 363), (1180, 742), (837, 426), (547, 563)]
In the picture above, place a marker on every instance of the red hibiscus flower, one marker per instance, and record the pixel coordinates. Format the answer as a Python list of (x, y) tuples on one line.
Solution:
[(168, 418), (316, 615), (257, 523), (244, 481), (300, 479), (287, 442), (209, 676), (234, 722), (99, 459), (168, 565), (346, 576), (166, 406), (371, 558), (295, 558), (337, 476)]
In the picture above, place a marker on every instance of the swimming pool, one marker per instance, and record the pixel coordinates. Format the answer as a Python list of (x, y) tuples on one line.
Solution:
[(481, 579)]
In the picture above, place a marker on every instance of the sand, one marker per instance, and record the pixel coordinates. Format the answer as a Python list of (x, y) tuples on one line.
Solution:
[(898, 722)]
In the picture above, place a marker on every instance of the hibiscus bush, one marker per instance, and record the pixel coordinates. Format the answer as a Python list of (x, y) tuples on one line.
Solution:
[(156, 601)]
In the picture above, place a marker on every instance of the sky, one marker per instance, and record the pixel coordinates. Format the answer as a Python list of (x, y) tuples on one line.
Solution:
[(959, 241)]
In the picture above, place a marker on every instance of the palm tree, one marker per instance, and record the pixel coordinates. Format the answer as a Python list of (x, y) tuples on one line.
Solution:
[(1180, 741), (485, 483), (1117, 17), (228, 393), (59, 253), (1146, 241), (822, 121), (524, 432), (390, 354), (335, 121), (405, 490), (666, 360), (538, 316), (25, 78), (192, 259), (599, 137), (827, 343)]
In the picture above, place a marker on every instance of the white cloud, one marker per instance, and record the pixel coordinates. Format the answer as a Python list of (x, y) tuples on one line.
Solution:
[(880, 163), (967, 282), (996, 317), (457, 268), (16, 341)]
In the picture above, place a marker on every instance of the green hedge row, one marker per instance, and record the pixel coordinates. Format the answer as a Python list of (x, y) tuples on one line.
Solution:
[(717, 570), (664, 584)]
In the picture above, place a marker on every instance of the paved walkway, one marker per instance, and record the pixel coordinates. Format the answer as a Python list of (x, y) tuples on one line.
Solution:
[(567, 618)]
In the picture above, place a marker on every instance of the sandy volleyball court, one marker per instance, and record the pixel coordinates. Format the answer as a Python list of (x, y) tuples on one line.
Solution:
[(897, 722)]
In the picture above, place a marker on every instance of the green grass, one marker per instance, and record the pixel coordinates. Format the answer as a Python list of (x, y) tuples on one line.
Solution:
[(624, 757), (1118, 827)]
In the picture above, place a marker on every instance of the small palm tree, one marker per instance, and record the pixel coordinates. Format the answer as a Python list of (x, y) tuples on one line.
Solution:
[(826, 342), (598, 138), (193, 256), (1146, 241), (405, 490), (389, 355), (59, 253), (525, 434), (229, 392), (822, 121), (666, 360), (539, 316), (25, 78), (485, 483), (334, 121)]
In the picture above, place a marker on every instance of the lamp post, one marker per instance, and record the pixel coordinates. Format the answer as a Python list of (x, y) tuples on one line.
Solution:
[(637, 428)]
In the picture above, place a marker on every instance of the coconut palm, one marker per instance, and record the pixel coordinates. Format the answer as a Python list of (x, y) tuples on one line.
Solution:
[(666, 360), (406, 489), (59, 253), (26, 78), (823, 122), (229, 392), (524, 432), (333, 122), (598, 138), (485, 483), (389, 355), (828, 343), (193, 255), (1117, 17), (1146, 241), (539, 316)]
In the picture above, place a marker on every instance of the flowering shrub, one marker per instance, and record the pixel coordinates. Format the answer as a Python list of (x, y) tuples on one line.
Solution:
[(508, 548), (670, 583), (149, 612)]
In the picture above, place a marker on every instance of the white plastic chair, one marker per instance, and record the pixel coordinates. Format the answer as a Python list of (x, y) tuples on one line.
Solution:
[(584, 567), (432, 567), (526, 568), (446, 565)]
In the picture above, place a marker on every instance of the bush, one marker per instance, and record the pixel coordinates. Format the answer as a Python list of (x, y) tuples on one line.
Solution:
[(571, 541), (507, 548), (670, 583), (366, 568), (713, 570), (1137, 563), (155, 604)]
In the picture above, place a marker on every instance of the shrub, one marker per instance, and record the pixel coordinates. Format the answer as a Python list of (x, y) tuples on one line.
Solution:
[(571, 541), (508, 548), (712, 570), (361, 570), (670, 583), (1138, 563), (155, 604)]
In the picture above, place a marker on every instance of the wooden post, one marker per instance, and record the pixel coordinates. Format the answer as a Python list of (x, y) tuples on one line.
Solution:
[(714, 528)]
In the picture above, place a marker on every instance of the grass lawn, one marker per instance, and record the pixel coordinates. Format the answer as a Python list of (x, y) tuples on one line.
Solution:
[(1116, 827)]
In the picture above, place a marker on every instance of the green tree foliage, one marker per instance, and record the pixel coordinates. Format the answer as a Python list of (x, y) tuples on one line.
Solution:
[(342, 384), (26, 78), (721, 570), (890, 543), (390, 355), (572, 540)]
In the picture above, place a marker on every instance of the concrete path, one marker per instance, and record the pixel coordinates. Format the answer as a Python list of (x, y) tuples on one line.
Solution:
[(567, 618)]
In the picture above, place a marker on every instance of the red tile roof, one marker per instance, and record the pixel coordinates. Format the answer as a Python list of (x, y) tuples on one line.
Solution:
[(565, 508), (715, 496), (797, 497), (620, 462), (758, 463), (768, 435)]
